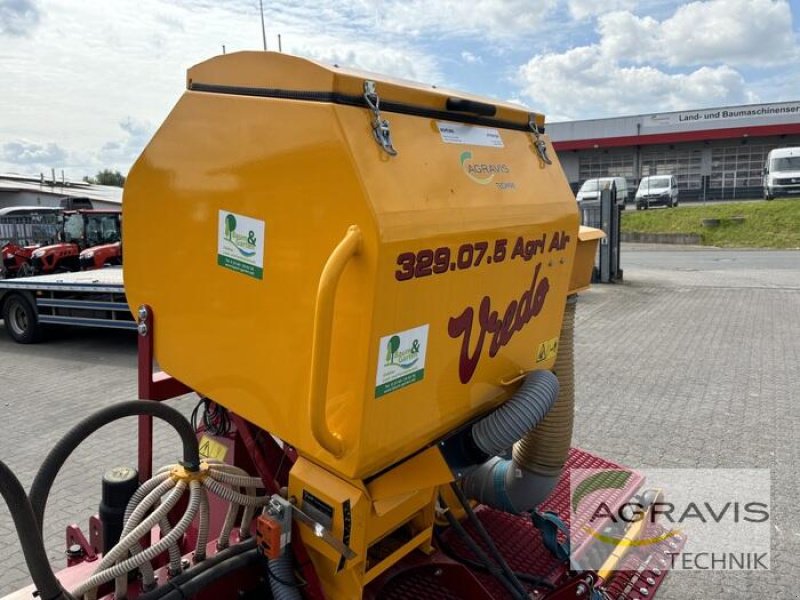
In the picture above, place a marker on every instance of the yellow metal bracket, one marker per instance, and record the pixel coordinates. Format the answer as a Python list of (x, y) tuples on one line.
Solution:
[(349, 247), (180, 473)]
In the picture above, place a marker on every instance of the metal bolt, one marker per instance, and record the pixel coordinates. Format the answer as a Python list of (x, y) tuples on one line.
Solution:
[(74, 551), (143, 313), (185, 563), (580, 590), (650, 581), (438, 572), (142, 328), (657, 572), (644, 591)]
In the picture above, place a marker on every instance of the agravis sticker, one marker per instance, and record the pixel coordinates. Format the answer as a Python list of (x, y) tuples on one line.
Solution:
[(401, 360), (240, 244)]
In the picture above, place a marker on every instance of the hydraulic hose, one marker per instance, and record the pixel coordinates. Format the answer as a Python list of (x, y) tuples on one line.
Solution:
[(40, 489), (189, 583), (487, 539), (482, 557), (30, 537), (281, 577)]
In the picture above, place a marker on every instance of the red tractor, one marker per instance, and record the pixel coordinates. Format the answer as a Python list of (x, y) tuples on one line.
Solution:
[(82, 230), (16, 260), (23, 229), (98, 257)]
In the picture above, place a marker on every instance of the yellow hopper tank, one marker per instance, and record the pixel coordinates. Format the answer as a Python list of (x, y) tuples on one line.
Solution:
[(356, 264)]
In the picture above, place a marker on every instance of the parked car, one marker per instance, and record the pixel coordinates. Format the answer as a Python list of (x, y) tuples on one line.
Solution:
[(657, 190), (782, 173), (591, 188)]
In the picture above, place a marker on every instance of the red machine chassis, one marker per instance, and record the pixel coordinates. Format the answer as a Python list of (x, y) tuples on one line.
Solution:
[(437, 576)]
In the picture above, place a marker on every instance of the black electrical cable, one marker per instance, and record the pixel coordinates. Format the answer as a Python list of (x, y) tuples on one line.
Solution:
[(40, 489), (30, 538), (195, 411), (487, 539), (478, 552), (195, 579), (534, 580), (216, 418)]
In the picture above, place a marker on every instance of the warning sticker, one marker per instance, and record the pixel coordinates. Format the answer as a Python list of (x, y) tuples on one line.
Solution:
[(401, 360), (472, 135), (240, 244), (212, 449), (547, 350)]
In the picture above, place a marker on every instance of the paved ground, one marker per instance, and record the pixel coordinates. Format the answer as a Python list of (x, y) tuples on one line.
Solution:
[(693, 361)]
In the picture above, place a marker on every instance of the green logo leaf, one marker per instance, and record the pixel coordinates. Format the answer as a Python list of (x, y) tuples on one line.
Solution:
[(230, 225)]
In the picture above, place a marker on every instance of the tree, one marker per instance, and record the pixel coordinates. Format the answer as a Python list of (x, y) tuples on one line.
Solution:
[(107, 177), (393, 347)]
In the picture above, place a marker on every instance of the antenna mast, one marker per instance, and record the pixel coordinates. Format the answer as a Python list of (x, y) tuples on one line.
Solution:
[(263, 29)]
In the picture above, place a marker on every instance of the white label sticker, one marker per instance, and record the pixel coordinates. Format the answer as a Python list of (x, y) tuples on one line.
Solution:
[(240, 244), (472, 135), (401, 360)]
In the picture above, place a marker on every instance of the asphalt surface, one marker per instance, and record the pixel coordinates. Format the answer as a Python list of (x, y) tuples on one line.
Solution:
[(692, 361)]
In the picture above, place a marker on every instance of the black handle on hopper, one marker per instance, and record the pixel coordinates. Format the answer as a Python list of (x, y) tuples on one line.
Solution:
[(471, 106)]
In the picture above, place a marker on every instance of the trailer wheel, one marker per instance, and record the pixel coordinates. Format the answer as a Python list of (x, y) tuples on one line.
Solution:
[(21, 320)]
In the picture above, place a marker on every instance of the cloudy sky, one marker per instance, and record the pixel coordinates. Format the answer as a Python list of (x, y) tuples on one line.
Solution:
[(86, 82)]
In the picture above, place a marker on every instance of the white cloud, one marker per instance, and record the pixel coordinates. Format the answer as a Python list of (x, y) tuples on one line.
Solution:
[(74, 71), (470, 58), (583, 9), (90, 66), (33, 155), (487, 19), (693, 58), (583, 81), (18, 17), (734, 32), (404, 63), (120, 153)]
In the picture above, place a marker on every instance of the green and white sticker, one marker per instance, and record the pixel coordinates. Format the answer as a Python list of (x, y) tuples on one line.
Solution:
[(240, 244), (401, 360)]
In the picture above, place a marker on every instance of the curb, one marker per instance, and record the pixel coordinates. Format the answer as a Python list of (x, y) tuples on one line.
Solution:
[(690, 239)]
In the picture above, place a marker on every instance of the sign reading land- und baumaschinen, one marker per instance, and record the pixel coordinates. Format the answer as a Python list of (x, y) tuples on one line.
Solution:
[(755, 111)]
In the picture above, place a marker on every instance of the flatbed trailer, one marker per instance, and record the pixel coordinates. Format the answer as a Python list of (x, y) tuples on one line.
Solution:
[(84, 299)]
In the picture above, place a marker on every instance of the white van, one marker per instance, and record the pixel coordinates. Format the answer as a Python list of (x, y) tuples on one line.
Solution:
[(657, 190), (782, 173), (591, 188)]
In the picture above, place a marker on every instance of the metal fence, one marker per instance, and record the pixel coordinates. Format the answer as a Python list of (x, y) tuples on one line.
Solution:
[(27, 230)]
